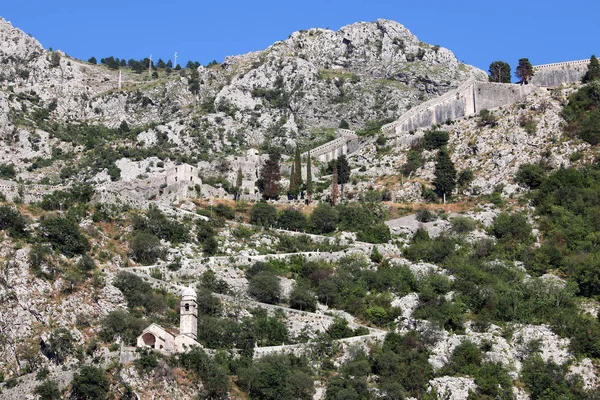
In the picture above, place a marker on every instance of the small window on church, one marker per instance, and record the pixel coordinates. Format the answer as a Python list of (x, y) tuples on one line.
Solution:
[(187, 307)]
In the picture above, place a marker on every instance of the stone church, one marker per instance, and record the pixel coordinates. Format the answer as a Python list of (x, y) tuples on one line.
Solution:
[(170, 341)]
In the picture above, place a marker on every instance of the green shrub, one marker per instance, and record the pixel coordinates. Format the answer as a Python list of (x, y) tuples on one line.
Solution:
[(146, 248), (59, 345), (531, 175), (12, 220), (278, 377), (161, 226), (324, 219), (265, 287), (64, 236), (462, 225), (291, 220), (120, 323), (224, 211), (48, 390), (301, 298), (263, 214), (7, 171), (379, 233), (90, 383), (435, 139), (424, 215)]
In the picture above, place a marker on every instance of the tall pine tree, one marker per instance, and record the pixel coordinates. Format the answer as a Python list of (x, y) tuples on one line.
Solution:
[(445, 174), (524, 70)]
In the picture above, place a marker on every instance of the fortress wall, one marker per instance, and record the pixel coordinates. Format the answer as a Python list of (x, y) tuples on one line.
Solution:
[(451, 105), (553, 75), (490, 95)]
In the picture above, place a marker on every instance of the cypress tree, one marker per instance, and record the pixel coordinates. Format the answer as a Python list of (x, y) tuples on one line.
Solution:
[(298, 168), (334, 185), (445, 174), (309, 183), (238, 183), (270, 175), (293, 189)]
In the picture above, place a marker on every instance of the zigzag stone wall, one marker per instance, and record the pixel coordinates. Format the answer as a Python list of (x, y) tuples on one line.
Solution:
[(346, 143), (469, 98)]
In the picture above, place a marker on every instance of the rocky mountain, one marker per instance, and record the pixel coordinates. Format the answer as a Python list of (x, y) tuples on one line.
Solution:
[(119, 199)]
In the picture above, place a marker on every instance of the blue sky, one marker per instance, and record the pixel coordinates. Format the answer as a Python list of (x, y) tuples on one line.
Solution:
[(478, 32)]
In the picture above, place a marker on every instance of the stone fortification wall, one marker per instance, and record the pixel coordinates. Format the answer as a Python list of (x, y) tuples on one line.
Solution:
[(346, 143), (468, 99), (451, 105), (557, 74), (490, 95)]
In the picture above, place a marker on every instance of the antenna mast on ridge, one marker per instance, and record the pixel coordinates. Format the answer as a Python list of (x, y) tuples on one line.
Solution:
[(175, 63), (150, 67)]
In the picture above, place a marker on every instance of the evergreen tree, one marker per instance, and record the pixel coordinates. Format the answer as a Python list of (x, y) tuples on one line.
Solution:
[(343, 171), (445, 174), (298, 168), (524, 70), (309, 183), (499, 72), (270, 175), (169, 64), (293, 189), (194, 82), (238, 183), (593, 71), (93, 60), (334, 185), (160, 63)]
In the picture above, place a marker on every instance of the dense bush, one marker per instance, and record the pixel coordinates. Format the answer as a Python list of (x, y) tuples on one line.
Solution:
[(90, 383), (263, 214), (291, 220), (215, 382), (64, 236), (224, 211), (582, 113), (435, 139), (531, 175), (324, 219), (265, 287), (276, 377), (48, 390), (301, 298), (159, 225), (146, 248), (12, 220), (121, 323)]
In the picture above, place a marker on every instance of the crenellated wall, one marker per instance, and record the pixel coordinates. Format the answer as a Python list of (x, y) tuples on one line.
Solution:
[(557, 74)]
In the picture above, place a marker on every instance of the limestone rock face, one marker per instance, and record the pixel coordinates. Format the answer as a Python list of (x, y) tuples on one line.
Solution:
[(315, 78)]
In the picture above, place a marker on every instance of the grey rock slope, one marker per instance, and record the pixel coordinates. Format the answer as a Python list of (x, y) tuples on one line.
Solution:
[(285, 94)]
